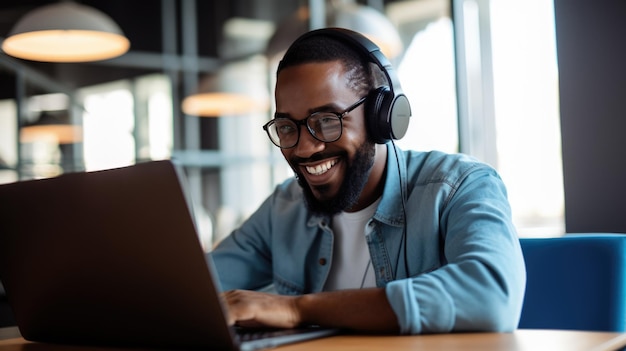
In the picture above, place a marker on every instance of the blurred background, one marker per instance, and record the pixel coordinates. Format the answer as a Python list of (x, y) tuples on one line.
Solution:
[(196, 84)]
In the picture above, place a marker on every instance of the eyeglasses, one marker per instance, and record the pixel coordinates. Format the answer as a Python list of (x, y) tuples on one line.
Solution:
[(327, 127)]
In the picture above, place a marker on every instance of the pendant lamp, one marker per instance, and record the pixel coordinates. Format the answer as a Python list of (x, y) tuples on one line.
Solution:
[(52, 128), (238, 88), (49, 121), (346, 14), (65, 32)]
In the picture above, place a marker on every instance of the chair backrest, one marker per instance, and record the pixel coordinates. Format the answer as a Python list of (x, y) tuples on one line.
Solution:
[(576, 282)]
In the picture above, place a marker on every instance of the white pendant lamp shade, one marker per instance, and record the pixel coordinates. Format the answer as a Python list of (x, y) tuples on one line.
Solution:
[(221, 104), (346, 14), (65, 32), (369, 22), (239, 88), (57, 133), (52, 128)]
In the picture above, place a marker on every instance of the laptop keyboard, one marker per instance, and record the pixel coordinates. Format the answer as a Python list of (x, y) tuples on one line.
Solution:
[(252, 339), (249, 334)]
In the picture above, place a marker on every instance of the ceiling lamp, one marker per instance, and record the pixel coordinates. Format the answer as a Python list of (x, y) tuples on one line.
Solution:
[(369, 22), (50, 121), (238, 88), (65, 32), (219, 104), (51, 128), (346, 14), (287, 32)]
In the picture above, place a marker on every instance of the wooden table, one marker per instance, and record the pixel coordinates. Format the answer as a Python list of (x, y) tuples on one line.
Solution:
[(520, 340)]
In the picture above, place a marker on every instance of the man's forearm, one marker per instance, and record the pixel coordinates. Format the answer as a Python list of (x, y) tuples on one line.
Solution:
[(362, 310)]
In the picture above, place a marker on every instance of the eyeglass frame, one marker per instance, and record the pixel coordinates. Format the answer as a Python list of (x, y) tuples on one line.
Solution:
[(299, 123)]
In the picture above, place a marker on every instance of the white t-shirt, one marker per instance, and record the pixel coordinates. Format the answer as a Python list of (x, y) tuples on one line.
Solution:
[(351, 266)]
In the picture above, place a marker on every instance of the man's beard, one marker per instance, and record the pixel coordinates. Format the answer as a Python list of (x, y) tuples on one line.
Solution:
[(357, 174)]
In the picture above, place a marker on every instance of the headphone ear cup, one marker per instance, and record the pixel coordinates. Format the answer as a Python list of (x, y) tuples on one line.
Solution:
[(376, 111)]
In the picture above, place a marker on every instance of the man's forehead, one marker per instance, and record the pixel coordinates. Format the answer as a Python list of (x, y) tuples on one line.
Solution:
[(327, 107), (318, 78)]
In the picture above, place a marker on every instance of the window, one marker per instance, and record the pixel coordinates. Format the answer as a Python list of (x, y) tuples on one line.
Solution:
[(428, 81), (8, 141), (527, 113), (508, 96), (108, 125), (127, 120), (496, 100)]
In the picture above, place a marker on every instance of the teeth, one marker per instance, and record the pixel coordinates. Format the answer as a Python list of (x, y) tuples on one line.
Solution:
[(321, 168)]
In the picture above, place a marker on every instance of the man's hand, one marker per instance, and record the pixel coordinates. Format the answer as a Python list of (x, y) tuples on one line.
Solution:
[(252, 308), (364, 309)]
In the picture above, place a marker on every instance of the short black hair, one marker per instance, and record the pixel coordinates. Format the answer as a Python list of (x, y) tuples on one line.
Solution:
[(318, 49)]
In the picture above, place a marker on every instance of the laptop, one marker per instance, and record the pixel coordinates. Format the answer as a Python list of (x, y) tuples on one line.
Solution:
[(113, 258)]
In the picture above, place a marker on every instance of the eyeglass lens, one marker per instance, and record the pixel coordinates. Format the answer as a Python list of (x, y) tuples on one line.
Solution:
[(323, 126)]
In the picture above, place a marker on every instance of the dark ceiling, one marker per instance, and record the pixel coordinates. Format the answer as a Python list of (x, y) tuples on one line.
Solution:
[(142, 23)]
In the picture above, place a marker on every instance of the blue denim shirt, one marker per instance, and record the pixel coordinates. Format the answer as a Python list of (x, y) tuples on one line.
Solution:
[(453, 263)]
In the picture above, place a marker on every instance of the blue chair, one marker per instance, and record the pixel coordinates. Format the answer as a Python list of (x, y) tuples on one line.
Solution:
[(575, 282)]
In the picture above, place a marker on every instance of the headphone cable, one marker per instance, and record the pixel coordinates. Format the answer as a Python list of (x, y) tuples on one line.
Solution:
[(404, 239)]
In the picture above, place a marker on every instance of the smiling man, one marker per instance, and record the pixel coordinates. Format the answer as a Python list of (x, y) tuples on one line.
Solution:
[(366, 236)]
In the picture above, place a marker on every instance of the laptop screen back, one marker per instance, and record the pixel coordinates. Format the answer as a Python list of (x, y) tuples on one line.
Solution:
[(108, 257)]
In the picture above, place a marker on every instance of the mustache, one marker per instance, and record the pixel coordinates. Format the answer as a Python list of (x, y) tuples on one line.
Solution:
[(295, 160)]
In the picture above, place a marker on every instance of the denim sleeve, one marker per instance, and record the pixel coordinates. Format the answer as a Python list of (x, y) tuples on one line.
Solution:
[(242, 259), (481, 285)]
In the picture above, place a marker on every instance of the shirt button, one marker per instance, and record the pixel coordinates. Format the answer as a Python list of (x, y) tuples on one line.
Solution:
[(322, 261)]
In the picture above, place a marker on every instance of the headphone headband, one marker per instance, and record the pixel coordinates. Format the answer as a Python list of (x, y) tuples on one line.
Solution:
[(362, 44)]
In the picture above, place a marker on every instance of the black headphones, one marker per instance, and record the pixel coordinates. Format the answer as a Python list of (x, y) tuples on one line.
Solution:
[(387, 108)]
